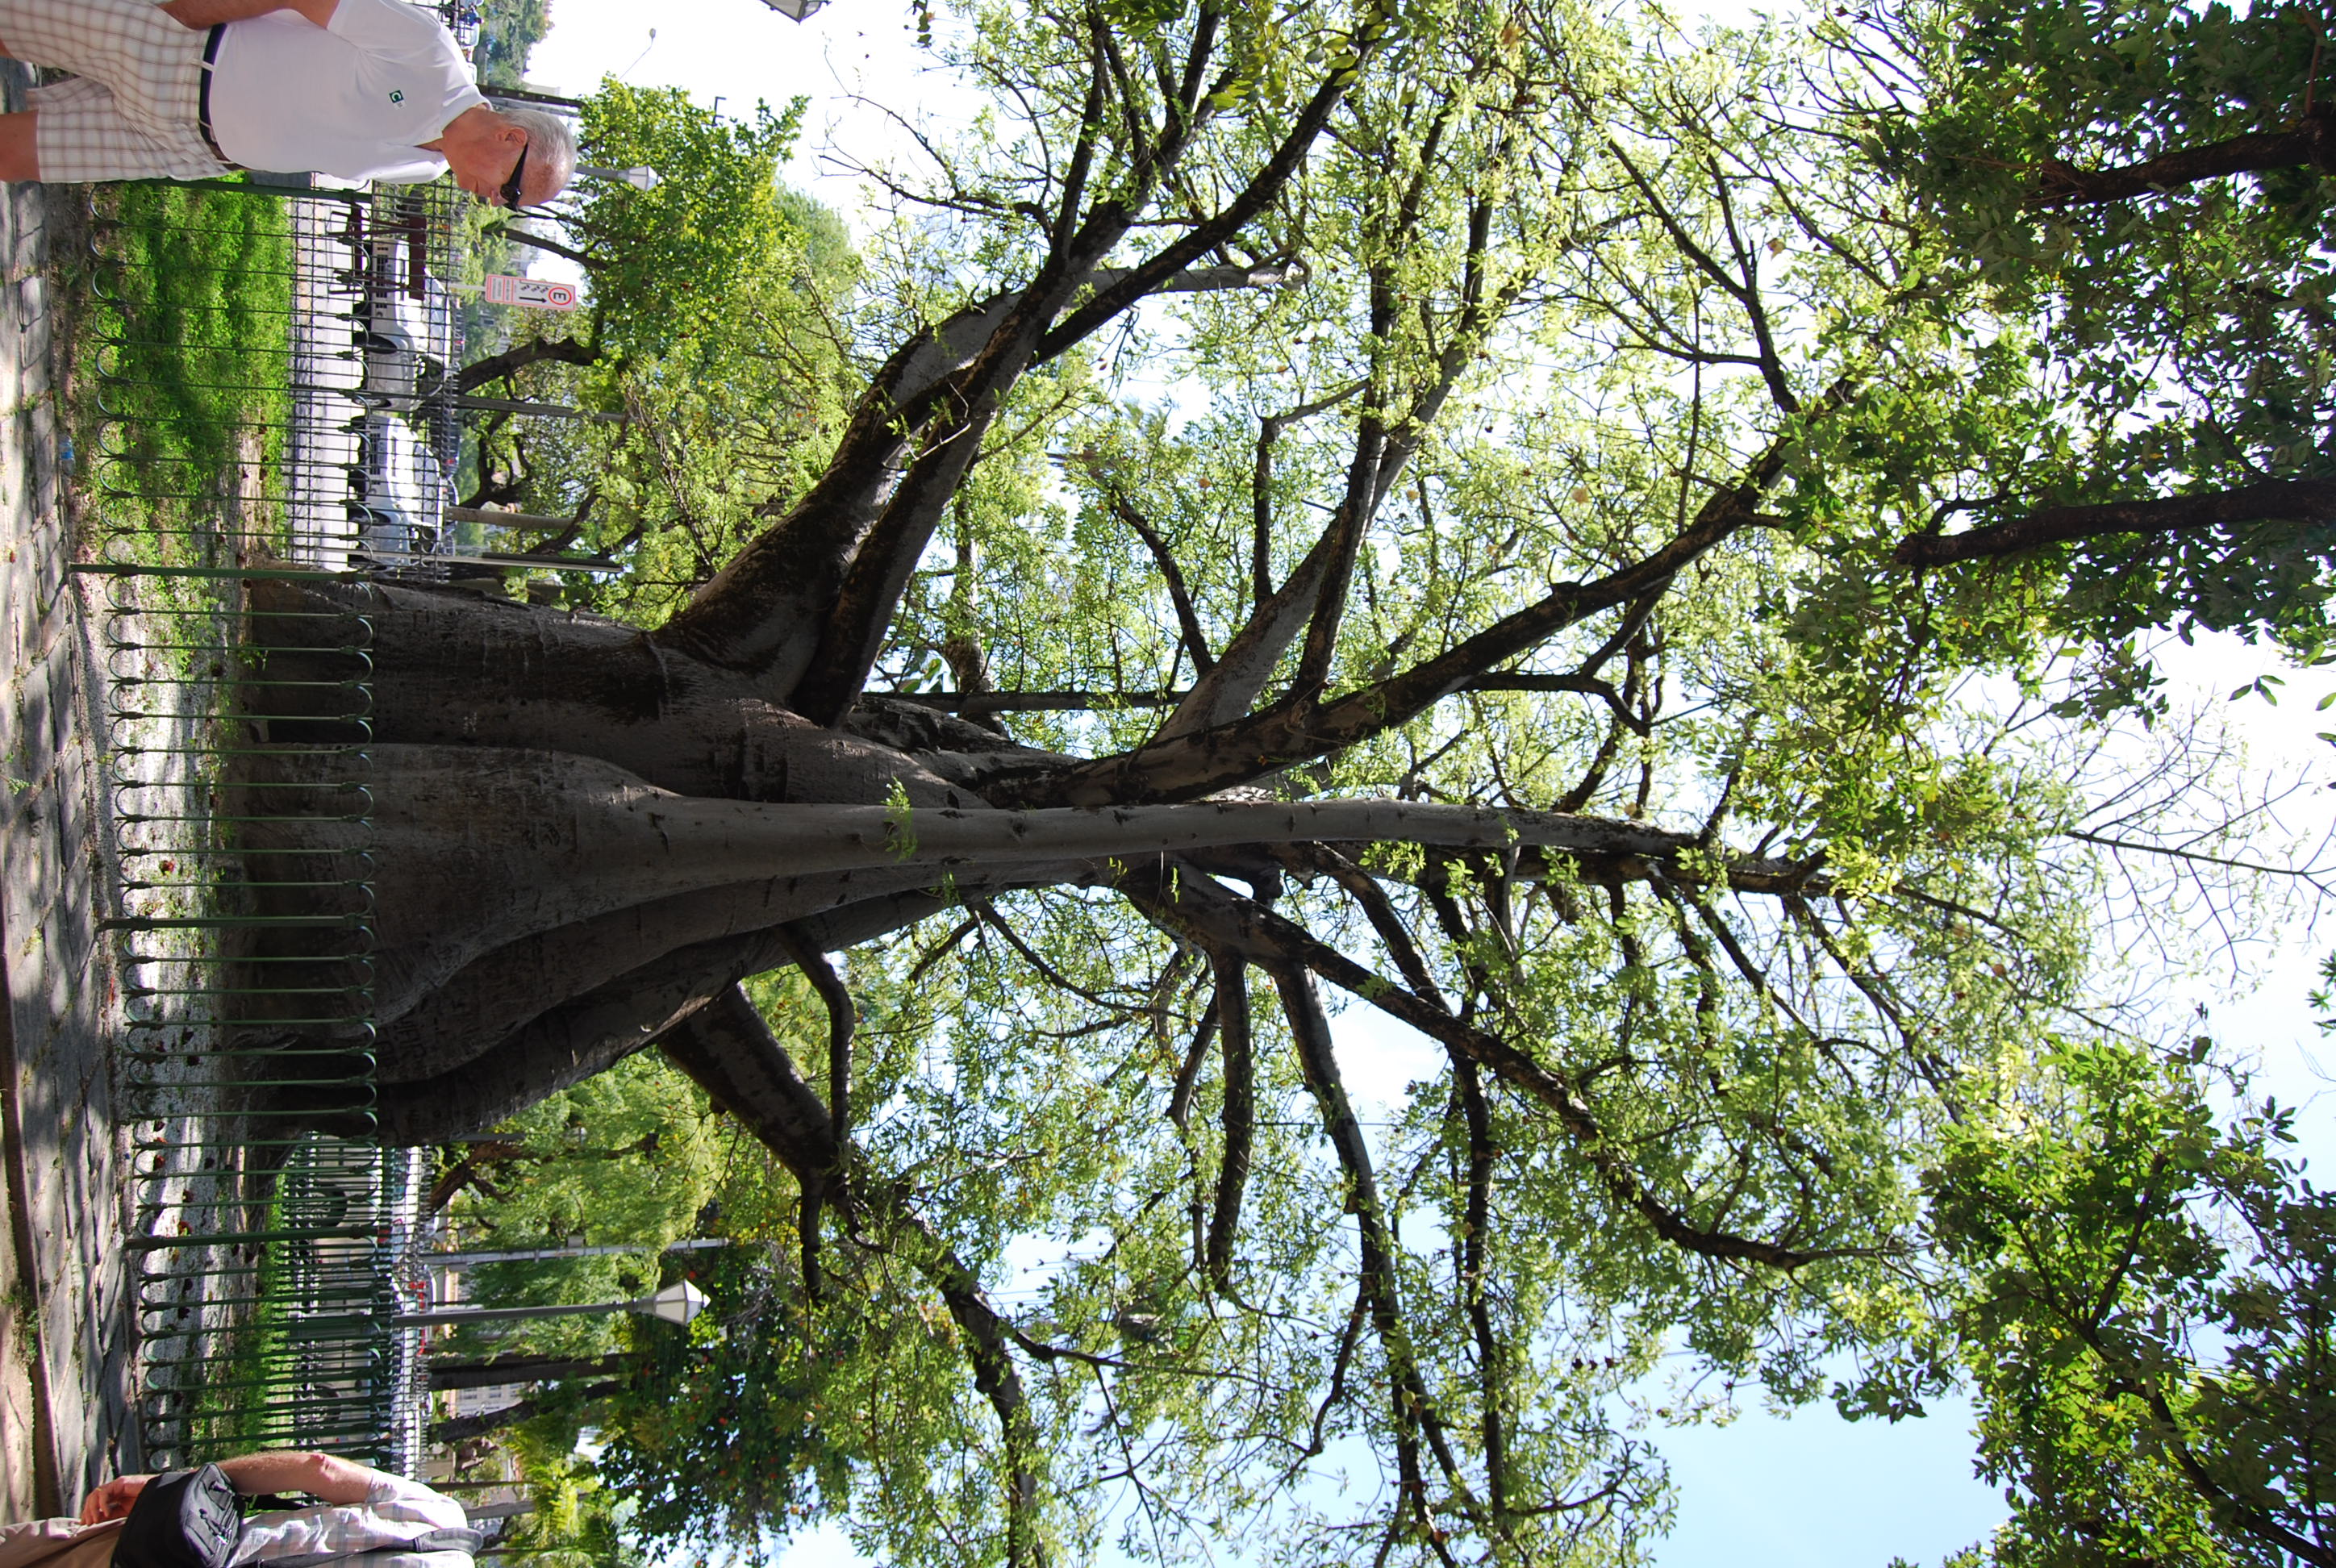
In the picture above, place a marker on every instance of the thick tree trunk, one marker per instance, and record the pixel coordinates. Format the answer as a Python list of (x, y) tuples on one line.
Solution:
[(578, 834), (462, 1428), (585, 1035), (447, 1074), (455, 670), (452, 1023)]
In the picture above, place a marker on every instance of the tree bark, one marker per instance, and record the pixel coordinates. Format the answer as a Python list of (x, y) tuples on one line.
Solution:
[(433, 1030), (570, 1043), (478, 848), (1239, 1116)]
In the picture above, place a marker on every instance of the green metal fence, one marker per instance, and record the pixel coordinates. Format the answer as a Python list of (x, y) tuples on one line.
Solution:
[(230, 412)]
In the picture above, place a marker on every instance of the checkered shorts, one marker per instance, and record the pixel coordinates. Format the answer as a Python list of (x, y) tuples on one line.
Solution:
[(129, 111)]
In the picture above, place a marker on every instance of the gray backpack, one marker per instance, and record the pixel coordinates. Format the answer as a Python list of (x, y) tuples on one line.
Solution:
[(182, 1519)]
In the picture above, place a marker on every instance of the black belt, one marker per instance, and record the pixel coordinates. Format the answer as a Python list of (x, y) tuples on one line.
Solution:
[(203, 96)]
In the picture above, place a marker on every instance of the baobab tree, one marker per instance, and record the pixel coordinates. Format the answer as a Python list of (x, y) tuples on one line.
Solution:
[(1487, 639)]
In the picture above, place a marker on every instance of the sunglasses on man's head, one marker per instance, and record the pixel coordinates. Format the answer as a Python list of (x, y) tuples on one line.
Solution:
[(517, 175)]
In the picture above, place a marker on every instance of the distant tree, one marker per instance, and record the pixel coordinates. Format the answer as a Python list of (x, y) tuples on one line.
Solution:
[(667, 261), (576, 1521), (2150, 1323), (713, 327), (664, 262), (725, 1433), (508, 31), (627, 1158)]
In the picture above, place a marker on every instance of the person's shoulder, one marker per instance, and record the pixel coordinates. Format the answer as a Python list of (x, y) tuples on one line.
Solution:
[(390, 24)]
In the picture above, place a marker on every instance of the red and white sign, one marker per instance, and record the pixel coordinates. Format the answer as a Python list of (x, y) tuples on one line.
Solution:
[(535, 293)]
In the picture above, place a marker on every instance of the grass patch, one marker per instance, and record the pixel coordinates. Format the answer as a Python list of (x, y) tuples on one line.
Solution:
[(183, 347), (177, 328)]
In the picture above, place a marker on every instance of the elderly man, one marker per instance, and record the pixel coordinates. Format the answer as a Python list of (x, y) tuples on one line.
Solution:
[(360, 1510), (359, 89)]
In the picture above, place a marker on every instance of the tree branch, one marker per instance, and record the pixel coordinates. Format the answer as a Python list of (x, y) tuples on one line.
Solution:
[(1109, 701), (1184, 765), (1196, 642), (731, 1053), (1239, 1116), (1206, 912), (841, 1017), (766, 610), (520, 236), (560, 350), (2311, 145), (1413, 1413), (1477, 1227), (2307, 501), (1131, 288)]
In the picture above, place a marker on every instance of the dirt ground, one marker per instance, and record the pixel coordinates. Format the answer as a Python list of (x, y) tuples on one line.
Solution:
[(65, 1320)]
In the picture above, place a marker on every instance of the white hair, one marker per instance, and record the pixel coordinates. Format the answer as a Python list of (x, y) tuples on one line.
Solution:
[(551, 145)]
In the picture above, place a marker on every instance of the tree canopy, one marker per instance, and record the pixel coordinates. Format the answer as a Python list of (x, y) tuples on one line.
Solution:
[(1393, 514)]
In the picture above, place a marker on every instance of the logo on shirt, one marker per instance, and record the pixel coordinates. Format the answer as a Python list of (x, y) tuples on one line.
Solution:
[(397, 95)]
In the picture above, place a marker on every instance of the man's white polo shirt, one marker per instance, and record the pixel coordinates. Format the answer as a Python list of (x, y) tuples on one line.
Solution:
[(354, 99)]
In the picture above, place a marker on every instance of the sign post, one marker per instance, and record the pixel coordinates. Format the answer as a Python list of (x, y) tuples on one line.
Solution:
[(533, 292)]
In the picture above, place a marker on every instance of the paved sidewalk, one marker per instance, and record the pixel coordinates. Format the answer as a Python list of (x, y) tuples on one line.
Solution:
[(64, 1323)]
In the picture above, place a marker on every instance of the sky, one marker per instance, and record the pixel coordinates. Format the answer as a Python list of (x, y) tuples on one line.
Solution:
[(1810, 1490)]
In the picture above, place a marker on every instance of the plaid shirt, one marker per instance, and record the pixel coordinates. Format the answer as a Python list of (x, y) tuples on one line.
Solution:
[(394, 1517), (129, 109)]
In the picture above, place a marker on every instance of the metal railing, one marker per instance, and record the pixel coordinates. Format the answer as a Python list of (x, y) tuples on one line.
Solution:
[(264, 412)]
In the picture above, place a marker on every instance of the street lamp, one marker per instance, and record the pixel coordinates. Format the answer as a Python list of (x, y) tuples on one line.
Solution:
[(798, 9), (676, 1303), (642, 178), (552, 1255)]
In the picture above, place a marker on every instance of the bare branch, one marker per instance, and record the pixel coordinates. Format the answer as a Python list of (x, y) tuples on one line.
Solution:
[(1196, 642)]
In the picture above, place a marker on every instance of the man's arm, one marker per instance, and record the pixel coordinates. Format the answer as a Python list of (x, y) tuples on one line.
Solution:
[(204, 14), (323, 1476)]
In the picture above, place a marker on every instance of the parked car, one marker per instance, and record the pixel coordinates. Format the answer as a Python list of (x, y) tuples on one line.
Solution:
[(404, 336), (395, 491)]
